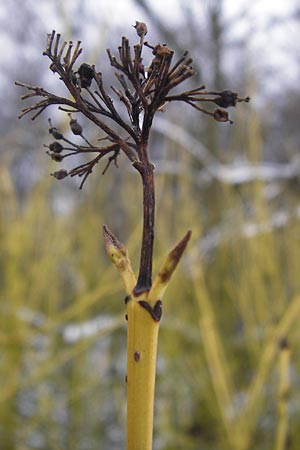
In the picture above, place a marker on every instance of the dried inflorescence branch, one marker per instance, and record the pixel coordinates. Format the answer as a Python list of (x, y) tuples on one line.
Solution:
[(143, 90), (57, 151)]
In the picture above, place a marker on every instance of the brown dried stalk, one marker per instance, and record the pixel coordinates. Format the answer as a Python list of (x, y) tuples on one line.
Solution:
[(144, 91)]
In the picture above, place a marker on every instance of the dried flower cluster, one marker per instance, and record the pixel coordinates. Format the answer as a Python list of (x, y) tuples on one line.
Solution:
[(144, 89)]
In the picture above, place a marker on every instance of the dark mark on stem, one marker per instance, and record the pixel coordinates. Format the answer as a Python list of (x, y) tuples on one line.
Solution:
[(155, 312)]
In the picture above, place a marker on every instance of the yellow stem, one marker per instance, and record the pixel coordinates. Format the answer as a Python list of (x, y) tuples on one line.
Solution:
[(143, 316), (142, 336), (284, 385)]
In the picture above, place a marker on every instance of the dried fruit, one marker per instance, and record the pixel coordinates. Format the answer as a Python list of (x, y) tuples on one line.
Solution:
[(60, 174), (75, 126), (56, 147), (221, 116), (58, 157), (86, 74), (141, 28)]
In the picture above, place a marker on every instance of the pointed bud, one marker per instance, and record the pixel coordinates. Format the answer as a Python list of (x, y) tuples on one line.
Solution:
[(119, 256), (163, 277)]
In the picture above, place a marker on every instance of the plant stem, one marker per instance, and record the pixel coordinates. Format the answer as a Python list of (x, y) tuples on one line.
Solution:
[(142, 338), (146, 169), (143, 315)]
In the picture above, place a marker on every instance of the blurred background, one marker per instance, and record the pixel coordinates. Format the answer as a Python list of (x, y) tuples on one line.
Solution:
[(228, 367)]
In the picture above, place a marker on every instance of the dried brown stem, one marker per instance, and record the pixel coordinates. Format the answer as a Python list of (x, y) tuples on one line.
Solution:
[(143, 92), (144, 281)]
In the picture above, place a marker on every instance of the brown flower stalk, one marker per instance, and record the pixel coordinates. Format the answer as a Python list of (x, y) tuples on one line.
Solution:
[(144, 89)]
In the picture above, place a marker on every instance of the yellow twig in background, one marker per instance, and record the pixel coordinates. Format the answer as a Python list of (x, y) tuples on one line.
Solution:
[(283, 389), (214, 351), (249, 414)]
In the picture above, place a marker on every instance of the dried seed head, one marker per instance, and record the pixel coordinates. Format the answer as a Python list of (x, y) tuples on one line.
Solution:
[(75, 126), (141, 28), (54, 131), (86, 74), (56, 147), (162, 50), (58, 157), (149, 94), (60, 174), (221, 116), (226, 98)]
